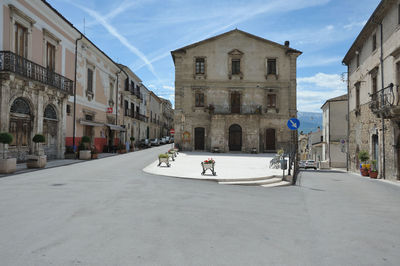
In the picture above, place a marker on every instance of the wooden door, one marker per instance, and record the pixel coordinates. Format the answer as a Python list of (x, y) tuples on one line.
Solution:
[(199, 138), (270, 139), (235, 138), (235, 103)]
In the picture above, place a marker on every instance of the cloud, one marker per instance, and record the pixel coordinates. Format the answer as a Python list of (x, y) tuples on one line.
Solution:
[(313, 61), (121, 38), (312, 92), (352, 25), (169, 88)]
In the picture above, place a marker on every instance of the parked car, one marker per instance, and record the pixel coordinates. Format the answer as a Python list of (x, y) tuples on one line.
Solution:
[(311, 164), (163, 141), (302, 164), (168, 139), (144, 143), (171, 140), (155, 142)]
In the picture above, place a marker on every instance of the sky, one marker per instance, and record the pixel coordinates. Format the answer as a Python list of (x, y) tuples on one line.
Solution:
[(142, 33)]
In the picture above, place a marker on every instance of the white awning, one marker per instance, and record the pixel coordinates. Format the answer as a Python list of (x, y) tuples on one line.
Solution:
[(90, 123), (116, 127)]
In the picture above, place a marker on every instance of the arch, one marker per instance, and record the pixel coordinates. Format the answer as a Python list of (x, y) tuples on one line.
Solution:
[(199, 134), (21, 106), (235, 137), (50, 112), (270, 139)]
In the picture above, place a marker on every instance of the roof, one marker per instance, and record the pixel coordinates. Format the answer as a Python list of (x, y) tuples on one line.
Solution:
[(336, 99), (376, 18), (130, 72), (288, 49)]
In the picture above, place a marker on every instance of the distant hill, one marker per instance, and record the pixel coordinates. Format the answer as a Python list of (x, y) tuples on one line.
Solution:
[(309, 121)]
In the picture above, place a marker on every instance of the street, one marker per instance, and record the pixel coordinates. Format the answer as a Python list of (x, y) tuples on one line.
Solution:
[(109, 212)]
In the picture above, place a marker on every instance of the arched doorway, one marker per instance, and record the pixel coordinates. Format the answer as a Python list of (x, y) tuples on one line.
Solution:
[(270, 139), (20, 127), (235, 138), (50, 131), (199, 133)]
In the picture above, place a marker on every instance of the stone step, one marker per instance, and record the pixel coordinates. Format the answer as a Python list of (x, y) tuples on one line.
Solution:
[(279, 184), (261, 182), (247, 179)]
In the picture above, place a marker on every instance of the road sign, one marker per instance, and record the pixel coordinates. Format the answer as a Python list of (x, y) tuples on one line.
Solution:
[(293, 123), (172, 131), (109, 110)]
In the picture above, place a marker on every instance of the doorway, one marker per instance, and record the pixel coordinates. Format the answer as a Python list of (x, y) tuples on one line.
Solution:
[(375, 150), (235, 138), (199, 134), (270, 139), (235, 103)]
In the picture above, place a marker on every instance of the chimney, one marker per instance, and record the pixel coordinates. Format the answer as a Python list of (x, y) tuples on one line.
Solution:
[(287, 43)]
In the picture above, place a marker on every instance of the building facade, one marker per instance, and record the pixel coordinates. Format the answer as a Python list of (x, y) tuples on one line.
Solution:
[(234, 92), (373, 63), (36, 75), (334, 132)]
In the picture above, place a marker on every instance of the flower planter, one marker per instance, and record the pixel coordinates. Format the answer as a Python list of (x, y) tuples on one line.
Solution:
[(95, 155), (208, 166), (70, 156), (172, 156), (164, 160), (373, 174), (36, 161), (8, 166), (364, 172), (85, 155), (122, 151)]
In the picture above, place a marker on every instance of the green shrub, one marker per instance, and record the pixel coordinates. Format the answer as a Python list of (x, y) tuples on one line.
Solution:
[(163, 155), (363, 156), (6, 138), (38, 138), (81, 146), (132, 138), (86, 139)]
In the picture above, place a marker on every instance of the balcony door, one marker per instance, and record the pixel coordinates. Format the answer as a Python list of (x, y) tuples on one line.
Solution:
[(51, 57), (21, 40), (270, 139), (235, 102)]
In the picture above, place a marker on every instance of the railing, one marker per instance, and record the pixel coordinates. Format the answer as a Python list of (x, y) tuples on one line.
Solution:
[(384, 100), (243, 109), (12, 62)]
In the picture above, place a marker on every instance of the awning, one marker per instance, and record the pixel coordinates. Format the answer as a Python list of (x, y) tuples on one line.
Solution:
[(116, 127), (90, 123)]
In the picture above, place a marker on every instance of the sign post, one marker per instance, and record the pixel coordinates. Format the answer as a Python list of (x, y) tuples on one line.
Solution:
[(172, 132), (293, 124)]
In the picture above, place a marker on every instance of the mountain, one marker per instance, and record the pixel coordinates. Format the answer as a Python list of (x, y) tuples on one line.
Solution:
[(309, 121)]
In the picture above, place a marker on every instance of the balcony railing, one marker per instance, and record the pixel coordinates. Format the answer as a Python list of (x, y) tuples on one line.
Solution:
[(12, 62), (242, 109), (385, 102)]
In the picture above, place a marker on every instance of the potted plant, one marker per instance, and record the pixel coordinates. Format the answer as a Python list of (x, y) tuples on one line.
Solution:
[(373, 172), (84, 150), (94, 152), (132, 143), (38, 159), (208, 165), (363, 156), (172, 151), (69, 153), (163, 158), (171, 155), (7, 165), (121, 148)]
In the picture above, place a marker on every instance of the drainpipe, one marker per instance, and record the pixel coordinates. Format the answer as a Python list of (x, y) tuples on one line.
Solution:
[(76, 65), (348, 120), (382, 99)]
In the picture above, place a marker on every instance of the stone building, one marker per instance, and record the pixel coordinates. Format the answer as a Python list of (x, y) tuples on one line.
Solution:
[(155, 108), (234, 92), (167, 117), (315, 143), (373, 63), (36, 75), (334, 132)]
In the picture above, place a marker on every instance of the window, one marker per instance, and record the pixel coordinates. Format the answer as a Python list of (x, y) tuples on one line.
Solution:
[(111, 96), (374, 88), (151, 115), (398, 11), (374, 42), (90, 80), (127, 84), (132, 109), (89, 117), (200, 66), (357, 96), (51, 57), (235, 102), (126, 108), (358, 58), (271, 101), (235, 66), (199, 99), (21, 40), (68, 109), (271, 66)]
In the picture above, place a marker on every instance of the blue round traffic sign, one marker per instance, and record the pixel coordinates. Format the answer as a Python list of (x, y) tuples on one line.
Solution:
[(293, 123)]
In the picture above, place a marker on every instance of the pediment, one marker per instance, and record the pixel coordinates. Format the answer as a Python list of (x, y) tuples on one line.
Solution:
[(235, 52)]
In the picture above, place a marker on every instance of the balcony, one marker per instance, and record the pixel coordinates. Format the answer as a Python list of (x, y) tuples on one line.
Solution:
[(385, 102), (14, 63), (231, 110)]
